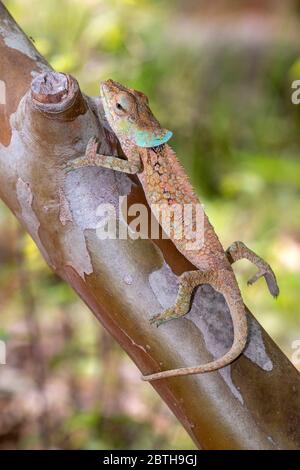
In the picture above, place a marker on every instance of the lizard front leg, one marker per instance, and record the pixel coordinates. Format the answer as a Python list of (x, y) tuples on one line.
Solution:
[(92, 158), (238, 250)]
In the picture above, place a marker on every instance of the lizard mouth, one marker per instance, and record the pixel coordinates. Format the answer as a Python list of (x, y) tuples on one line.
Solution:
[(106, 87), (103, 91), (104, 95)]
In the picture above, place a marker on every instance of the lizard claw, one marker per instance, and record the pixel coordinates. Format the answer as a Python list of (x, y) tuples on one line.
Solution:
[(155, 320), (74, 164), (270, 278), (91, 149), (88, 158), (164, 316), (68, 168)]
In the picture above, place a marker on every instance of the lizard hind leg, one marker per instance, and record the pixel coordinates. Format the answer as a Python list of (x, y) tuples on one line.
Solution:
[(187, 283), (238, 250), (225, 283)]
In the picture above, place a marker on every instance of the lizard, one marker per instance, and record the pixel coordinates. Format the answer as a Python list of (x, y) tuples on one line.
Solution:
[(164, 180)]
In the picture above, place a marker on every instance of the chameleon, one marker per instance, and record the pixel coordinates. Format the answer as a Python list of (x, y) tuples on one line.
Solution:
[(164, 180)]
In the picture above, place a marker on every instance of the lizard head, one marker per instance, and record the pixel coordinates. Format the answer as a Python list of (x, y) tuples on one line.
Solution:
[(130, 117)]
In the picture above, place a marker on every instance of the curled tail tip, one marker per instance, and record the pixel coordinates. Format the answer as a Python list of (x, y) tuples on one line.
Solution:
[(167, 374), (151, 377), (147, 378)]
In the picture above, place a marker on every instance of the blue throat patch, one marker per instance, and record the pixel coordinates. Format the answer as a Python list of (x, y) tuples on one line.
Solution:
[(152, 139)]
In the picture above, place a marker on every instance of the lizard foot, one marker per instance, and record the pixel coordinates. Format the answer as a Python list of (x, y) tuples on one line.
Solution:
[(270, 278), (166, 315), (187, 283), (238, 250), (87, 160)]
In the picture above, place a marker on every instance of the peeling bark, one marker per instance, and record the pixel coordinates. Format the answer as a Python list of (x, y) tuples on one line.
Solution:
[(251, 404)]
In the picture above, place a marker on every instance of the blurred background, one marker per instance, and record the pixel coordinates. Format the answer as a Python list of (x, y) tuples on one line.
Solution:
[(219, 75)]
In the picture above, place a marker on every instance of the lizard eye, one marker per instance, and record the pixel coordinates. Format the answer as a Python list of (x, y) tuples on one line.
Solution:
[(120, 107), (123, 103)]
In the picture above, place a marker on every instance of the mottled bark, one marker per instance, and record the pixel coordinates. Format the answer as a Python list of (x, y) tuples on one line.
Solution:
[(252, 404)]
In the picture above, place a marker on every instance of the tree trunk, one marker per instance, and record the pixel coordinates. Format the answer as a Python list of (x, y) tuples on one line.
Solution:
[(251, 404)]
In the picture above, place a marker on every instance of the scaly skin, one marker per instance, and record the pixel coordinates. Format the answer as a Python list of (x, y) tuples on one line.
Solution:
[(165, 182)]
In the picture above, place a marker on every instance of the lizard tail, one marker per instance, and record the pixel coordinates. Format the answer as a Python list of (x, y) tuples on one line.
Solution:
[(238, 315)]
